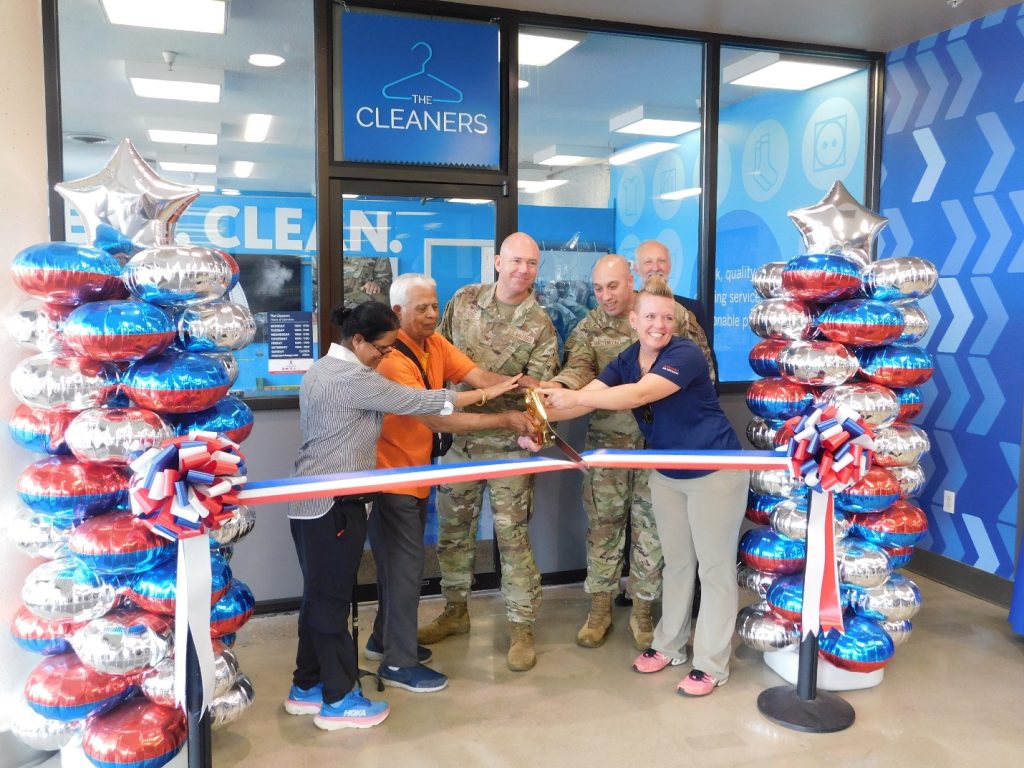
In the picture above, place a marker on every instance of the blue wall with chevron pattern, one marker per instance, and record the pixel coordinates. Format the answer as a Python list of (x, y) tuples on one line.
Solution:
[(953, 189)]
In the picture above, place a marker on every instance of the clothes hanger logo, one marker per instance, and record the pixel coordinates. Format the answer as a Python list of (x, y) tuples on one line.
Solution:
[(422, 87)]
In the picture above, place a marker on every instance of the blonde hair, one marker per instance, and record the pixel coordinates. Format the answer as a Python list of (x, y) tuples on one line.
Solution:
[(656, 286)]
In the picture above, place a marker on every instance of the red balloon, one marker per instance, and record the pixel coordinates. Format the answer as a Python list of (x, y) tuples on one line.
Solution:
[(63, 688), (39, 635), (63, 486), (119, 542), (41, 429), (137, 733), (873, 493)]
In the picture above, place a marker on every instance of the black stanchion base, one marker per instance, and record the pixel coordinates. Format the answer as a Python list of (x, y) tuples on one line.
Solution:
[(366, 673), (826, 713)]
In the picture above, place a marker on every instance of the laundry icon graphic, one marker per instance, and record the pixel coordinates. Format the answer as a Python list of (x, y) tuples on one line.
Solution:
[(421, 83)]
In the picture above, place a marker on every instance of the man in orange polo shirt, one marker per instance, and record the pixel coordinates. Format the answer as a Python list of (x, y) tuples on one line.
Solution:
[(397, 524)]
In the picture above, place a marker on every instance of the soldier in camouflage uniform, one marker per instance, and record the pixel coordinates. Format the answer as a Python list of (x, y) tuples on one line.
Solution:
[(613, 496), (366, 278), (503, 328)]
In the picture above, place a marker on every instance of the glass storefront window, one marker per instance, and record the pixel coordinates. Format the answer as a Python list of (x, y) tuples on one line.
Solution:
[(603, 169), (782, 143)]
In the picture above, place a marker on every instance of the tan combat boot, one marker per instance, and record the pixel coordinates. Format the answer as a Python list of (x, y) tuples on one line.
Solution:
[(521, 655), (599, 622), (454, 620), (641, 624)]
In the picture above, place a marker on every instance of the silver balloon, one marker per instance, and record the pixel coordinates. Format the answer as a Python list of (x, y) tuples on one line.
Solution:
[(789, 518), (124, 642), (776, 482), (904, 277), (235, 528), (780, 319), (230, 363), (818, 363), (767, 280), (158, 683), (895, 600), (171, 274), (232, 705), (911, 479), (39, 326), (761, 433), (900, 445), (43, 733), (63, 382), (127, 195), (915, 323), (62, 589), (763, 630), (116, 435), (756, 581), (861, 563), (35, 534), (899, 631), (877, 404), (838, 223), (217, 326)]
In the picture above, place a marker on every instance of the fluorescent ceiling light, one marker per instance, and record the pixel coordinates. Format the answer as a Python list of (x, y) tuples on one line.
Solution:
[(176, 90), (243, 168), (230, 192), (185, 15), (266, 60), (533, 187), (205, 187), (538, 49), (256, 127), (655, 121), (350, 197), (182, 137), (524, 83), (470, 200), (768, 69), (640, 151), (569, 154), (171, 165), (680, 194)]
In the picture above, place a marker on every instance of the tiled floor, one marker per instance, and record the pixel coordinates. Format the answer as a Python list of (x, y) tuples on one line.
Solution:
[(952, 696)]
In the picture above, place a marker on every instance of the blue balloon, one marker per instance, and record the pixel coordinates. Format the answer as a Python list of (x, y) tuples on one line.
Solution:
[(911, 402), (230, 613), (821, 277), (176, 382), (118, 330), (786, 596), (65, 273), (767, 551), (898, 365), (156, 589), (860, 322), (231, 417), (863, 647)]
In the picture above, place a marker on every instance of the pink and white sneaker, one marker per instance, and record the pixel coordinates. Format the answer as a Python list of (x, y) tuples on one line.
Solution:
[(654, 661), (698, 683)]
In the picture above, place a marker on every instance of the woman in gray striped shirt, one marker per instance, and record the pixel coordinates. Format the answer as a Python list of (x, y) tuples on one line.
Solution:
[(342, 403)]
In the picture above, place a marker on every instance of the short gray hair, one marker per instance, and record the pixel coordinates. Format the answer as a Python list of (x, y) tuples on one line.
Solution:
[(404, 283)]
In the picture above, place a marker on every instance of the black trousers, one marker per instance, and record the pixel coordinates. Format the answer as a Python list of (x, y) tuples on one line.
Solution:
[(396, 538), (329, 549)]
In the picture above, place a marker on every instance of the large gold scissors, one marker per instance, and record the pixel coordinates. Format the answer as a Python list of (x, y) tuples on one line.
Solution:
[(535, 407)]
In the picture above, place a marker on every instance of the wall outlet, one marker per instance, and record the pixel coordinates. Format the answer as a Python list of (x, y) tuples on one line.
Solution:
[(949, 501)]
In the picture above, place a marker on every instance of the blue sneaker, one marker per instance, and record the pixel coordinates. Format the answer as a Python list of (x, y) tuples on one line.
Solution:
[(374, 652), (418, 679), (303, 701), (353, 711)]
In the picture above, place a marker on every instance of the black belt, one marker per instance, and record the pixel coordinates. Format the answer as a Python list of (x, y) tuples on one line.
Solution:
[(361, 498)]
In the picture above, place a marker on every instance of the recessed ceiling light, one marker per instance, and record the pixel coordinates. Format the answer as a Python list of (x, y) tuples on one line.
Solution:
[(182, 137), (206, 187), (178, 90), (230, 192), (640, 151), (256, 127), (768, 69), (185, 15), (569, 154), (655, 121), (243, 168), (524, 83), (168, 165), (539, 49), (266, 60)]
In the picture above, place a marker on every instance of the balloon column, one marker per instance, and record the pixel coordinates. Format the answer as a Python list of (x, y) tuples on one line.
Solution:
[(838, 329), (129, 333)]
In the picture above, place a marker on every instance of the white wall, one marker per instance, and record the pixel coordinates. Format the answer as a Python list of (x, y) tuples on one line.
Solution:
[(23, 221)]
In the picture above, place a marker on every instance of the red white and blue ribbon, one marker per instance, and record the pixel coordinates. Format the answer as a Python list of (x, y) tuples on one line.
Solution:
[(831, 449), (181, 491)]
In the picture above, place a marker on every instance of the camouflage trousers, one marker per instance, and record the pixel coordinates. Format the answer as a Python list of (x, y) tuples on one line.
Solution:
[(458, 515), (610, 498)]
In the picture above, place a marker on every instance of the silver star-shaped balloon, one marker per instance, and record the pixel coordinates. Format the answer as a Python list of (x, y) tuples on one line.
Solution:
[(839, 223), (128, 195)]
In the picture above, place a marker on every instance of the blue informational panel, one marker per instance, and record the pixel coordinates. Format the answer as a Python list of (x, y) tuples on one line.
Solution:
[(419, 90)]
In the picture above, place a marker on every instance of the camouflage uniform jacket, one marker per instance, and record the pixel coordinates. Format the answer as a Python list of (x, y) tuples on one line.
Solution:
[(357, 271), (527, 344), (596, 341)]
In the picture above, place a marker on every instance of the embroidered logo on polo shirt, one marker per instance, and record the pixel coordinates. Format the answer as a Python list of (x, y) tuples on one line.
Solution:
[(670, 369)]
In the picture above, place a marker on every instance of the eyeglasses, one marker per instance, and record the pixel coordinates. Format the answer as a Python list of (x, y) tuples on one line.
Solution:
[(382, 351), (647, 414)]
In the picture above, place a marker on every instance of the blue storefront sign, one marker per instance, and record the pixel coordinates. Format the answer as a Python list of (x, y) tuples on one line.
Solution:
[(420, 90)]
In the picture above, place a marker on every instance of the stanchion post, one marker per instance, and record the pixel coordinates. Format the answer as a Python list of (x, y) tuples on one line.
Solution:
[(200, 741)]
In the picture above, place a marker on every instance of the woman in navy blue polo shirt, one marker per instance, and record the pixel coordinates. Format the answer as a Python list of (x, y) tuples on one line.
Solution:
[(664, 380)]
